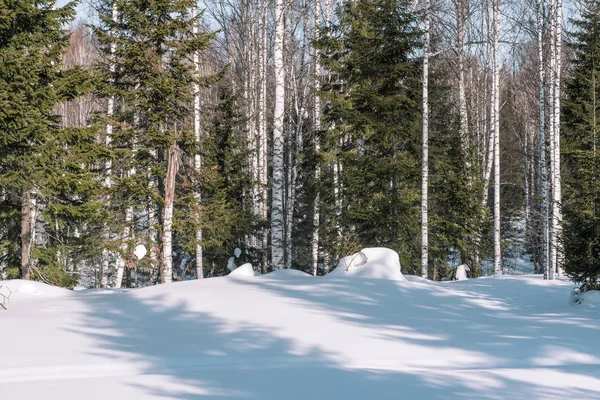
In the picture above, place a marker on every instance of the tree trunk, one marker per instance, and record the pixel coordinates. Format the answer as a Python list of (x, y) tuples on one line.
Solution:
[(552, 134), (317, 116), (556, 184), (496, 106), (262, 132), (291, 188), (27, 222), (277, 223), (167, 236), (110, 108), (197, 157), (127, 232), (462, 98), (542, 135), (425, 165)]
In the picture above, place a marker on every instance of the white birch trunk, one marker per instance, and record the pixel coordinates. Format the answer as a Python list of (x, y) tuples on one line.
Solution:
[(152, 230), (542, 136), (489, 155), (262, 132), (277, 222), (556, 184), (425, 165), (496, 100), (317, 116), (197, 157), (127, 231), (291, 192), (462, 98), (552, 137), (27, 223), (167, 237), (110, 108)]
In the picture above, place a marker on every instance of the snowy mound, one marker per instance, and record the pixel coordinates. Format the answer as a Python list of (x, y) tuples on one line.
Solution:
[(244, 270), (377, 262), (23, 289), (591, 298), (461, 272), (288, 273)]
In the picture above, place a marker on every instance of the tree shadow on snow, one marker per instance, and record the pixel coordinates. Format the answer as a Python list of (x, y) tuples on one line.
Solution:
[(334, 338)]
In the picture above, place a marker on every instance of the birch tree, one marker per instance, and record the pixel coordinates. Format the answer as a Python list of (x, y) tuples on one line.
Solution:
[(425, 166), (496, 135), (277, 220), (542, 135), (197, 156), (262, 148), (555, 259), (110, 107), (317, 122)]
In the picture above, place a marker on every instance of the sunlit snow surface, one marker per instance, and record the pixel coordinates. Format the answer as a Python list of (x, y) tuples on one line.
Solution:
[(288, 335)]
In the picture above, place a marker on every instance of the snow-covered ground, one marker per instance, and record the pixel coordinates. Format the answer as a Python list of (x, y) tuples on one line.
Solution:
[(287, 335)]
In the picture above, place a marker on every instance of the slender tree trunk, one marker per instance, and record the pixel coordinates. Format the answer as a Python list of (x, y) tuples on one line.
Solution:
[(556, 184), (197, 157), (496, 106), (127, 233), (110, 108), (489, 154), (27, 222), (552, 134), (490, 121), (462, 97), (317, 117), (277, 223), (542, 135), (167, 236), (291, 186), (337, 196), (425, 165), (262, 117)]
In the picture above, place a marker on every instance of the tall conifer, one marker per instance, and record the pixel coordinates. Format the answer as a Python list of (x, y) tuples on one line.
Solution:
[(374, 96), (581, 128), (42, 182)]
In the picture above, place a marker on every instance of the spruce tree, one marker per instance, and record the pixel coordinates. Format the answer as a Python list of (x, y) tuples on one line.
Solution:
[(226, 216), (44, 186), (152, 77), (373, 95), (581, 129)]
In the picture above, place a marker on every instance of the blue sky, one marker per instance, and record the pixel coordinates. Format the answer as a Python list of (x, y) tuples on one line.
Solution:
[(83, 8)]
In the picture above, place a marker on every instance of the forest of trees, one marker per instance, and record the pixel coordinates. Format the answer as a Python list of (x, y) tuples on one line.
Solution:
[(451, 131)]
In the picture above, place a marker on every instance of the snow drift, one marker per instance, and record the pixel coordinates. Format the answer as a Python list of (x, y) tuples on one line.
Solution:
[(266, 337), (375, 262), (244, 270), (591, 298), (24, 289)]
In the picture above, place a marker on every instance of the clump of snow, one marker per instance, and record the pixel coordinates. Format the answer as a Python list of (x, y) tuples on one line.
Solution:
[(376, 262), (575, 296), (237, 252), (353, 261), (244, 270), (22, 288), (461, 272), (140, 251), (231, 264)]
